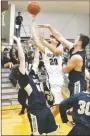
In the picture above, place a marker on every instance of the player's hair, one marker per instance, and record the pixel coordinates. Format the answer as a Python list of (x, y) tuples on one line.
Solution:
[(85, 40)]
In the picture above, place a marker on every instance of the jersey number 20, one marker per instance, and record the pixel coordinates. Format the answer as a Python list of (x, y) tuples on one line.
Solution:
[(53, 61), (84, 108)]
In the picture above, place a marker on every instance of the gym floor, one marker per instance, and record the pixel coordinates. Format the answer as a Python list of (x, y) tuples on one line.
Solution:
[(14, 124)]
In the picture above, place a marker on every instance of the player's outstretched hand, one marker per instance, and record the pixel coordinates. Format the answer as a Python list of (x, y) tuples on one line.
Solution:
[(71, 123), (33, 18), (44, 25)]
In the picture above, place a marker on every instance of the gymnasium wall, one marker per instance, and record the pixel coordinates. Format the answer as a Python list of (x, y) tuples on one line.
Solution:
[(70, 25), (5, 29)]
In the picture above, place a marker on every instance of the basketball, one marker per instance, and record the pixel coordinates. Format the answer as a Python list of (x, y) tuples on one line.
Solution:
[(33, 8)]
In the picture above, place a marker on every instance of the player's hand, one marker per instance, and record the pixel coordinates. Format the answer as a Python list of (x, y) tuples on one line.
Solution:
[(33, 18), (44, 26), (71, 123)]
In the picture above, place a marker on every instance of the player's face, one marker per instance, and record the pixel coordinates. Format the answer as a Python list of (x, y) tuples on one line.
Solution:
[(53, 41), (76, 41)]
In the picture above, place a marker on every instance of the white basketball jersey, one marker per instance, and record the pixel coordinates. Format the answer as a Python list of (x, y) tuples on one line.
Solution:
[(53, 66)]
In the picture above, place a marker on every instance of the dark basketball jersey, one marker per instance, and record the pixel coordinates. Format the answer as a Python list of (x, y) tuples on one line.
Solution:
[(36, 100), (77, 78), (77, 75), (81, 108)]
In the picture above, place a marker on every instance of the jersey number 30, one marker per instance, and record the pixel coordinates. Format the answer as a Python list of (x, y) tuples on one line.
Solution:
[(84, 108), (53, 61)]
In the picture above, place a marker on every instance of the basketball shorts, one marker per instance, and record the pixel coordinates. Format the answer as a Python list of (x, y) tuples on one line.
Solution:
[(42, 121), (77, 87), (57, 93)]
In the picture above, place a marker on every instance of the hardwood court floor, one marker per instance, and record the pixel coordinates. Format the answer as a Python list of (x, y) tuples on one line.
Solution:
[(14, 124)]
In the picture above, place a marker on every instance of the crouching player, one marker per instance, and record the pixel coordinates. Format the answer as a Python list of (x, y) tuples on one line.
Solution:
[(81, 112), (40, 116)]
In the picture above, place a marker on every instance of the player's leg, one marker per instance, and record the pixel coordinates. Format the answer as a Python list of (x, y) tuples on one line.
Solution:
[(56, 90), (65, 90), (22, 96), (19, 30), (55, 110)]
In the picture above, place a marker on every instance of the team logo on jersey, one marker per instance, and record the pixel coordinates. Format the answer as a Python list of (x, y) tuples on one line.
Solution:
[(50, 55)]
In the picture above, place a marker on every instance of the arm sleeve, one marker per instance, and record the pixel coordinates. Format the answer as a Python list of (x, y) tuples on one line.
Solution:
[(65, 105)]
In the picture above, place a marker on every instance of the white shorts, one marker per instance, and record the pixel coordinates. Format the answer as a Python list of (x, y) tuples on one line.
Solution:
[(57, 93)]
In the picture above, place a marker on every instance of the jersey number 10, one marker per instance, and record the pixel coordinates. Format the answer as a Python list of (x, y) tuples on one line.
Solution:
[(84, 108)]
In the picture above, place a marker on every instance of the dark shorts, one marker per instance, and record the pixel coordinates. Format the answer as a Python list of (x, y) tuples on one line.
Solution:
[(79, 130), (42, 121), (77, 87)]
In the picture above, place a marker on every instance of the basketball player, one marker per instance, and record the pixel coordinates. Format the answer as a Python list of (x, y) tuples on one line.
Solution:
[(81, 112), (43, 78), (52, 58), (76, 64), (41, 72), (40, 116)]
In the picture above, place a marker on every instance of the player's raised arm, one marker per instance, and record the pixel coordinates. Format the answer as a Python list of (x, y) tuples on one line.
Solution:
[(72, 63), (35, 34), (58, 36), (36, 61), (23, 78), (65, 105), (20, 55)]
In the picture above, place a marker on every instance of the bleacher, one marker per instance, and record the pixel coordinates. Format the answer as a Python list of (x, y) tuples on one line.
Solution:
[(9, 94)]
